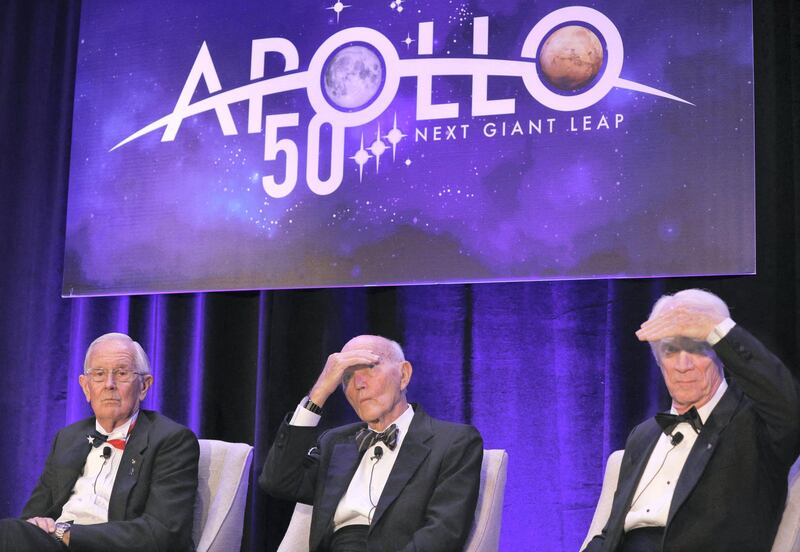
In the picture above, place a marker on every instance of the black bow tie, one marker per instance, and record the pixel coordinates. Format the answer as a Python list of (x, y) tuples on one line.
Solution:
[(96, 438), (365, 438), (668, 422)]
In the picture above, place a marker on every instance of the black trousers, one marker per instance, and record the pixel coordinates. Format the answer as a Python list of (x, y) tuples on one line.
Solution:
[(352, 538), (17, 535), (644, 539)]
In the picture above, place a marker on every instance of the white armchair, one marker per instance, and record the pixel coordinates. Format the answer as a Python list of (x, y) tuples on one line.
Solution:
[(223, 478)]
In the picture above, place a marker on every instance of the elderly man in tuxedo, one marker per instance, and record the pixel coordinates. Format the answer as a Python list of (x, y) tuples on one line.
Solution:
[(712, 474), (123, 480), (400, 480)]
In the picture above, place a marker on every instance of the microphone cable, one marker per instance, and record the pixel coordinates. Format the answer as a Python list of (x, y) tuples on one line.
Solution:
[(676, 440), (106, 455), (377, 458)]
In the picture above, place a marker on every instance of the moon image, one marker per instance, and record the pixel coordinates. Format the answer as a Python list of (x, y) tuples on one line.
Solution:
[(571, 57), (353, 77)]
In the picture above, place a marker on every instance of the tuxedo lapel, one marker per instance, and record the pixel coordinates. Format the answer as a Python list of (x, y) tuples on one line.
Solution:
[(343, 464), (130, 464), (630, 481), (634, 462), (703, 448), (412, 453), (72, 463)]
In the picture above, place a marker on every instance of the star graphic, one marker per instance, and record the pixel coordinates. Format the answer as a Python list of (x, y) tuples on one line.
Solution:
[(338, 8), (361, 157), (377, 148), (394, 136)]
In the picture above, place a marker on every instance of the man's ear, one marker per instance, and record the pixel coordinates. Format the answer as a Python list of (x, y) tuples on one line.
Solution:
[(147, 381), (405, 374), (84, 381)]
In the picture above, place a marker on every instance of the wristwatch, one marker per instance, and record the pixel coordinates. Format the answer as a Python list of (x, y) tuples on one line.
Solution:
[(311, 407), (61, 528)]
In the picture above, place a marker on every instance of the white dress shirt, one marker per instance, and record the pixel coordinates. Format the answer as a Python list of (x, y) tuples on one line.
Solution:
[(357, 506), (653, 496), (88, 503)]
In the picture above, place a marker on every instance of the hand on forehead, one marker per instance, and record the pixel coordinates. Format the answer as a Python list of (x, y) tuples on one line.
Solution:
[(680, 318)]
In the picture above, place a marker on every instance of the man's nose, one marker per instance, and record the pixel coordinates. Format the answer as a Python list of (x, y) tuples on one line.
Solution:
[(685, 361), (110, 383), (359, 380)]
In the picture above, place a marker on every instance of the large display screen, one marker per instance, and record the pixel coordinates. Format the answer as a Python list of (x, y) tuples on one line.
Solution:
[(290, 144)]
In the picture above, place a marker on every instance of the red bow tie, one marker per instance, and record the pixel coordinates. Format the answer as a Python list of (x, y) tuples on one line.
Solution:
[(96, 439)]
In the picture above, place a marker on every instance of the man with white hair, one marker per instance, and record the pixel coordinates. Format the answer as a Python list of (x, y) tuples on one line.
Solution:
[(711, 474), (399, 481), (124, 479)]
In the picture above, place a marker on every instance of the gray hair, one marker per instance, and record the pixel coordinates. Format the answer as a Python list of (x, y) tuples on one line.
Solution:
[(695, 296), (140, 360)]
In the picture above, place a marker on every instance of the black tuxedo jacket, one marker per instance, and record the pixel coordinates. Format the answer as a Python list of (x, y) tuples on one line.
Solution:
[(151, 507), (732, 490), (429, 499)]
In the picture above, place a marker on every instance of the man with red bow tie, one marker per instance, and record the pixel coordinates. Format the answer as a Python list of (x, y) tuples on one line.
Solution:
[(124, 479)]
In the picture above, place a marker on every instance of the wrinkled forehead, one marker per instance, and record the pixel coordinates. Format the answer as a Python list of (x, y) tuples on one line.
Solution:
[(671, 345), (113, 351)]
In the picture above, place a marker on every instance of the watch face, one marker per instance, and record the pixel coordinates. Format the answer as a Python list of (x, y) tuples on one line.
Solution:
[(61, 528)]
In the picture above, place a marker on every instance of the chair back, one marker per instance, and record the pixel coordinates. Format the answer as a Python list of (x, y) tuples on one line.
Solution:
[(603, 509), (788, 537), (484, 535), (223, 477)]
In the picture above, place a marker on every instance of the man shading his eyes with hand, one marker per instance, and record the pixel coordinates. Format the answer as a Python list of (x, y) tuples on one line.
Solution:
[(712, 473), (399, 480)]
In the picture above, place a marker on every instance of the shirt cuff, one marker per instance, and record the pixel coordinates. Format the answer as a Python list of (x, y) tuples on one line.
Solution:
[(303, 416), (720, 331)]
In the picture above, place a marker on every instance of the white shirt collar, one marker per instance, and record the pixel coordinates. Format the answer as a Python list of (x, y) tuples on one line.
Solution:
[(403, 422), (705, 410), (120, 432)]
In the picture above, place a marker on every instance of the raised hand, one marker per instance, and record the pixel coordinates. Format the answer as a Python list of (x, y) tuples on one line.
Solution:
[(334, 369), (681, 319)]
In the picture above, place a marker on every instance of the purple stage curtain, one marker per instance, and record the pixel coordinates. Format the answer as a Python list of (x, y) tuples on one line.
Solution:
[(550, 371)]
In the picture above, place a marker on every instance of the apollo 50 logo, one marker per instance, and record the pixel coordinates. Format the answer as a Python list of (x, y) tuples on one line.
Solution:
[(354, 75)]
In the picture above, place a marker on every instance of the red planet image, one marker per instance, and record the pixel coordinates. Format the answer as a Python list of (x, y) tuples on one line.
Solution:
[(571, 57)]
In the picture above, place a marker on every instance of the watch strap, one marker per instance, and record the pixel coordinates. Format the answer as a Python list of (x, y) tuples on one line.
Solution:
[(313, 407), (61, 528)]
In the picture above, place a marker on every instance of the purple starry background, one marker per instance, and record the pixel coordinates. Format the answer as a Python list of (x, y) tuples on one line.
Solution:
[(668, 192)]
